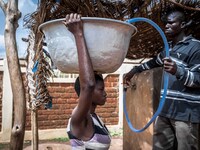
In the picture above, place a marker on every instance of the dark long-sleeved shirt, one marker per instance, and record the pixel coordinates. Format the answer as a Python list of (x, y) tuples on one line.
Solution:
[(183, 94)]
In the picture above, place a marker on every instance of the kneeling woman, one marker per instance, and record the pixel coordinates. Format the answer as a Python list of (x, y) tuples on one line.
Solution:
[(85, 129)]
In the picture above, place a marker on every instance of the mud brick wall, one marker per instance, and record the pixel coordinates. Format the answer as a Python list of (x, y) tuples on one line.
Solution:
[(142, 100), (65, 99)]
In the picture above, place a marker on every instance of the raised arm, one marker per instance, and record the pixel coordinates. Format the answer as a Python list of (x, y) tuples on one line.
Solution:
[(86, 73)]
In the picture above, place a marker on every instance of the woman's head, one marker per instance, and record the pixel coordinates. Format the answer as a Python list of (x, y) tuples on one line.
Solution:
[(99, 96)]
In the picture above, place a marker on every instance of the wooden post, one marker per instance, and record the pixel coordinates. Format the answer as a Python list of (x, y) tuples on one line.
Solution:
[(141, 100), (34, 126), (12, 15)]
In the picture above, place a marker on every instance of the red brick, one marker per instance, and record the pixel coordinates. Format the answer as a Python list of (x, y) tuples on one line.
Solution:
[(72, 101), (65, 100)]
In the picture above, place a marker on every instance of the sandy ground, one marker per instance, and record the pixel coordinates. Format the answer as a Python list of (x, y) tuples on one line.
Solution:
[(116, 144)]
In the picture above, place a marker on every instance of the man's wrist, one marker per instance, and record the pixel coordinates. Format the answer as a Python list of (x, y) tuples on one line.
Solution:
[(134, 70), (179, 72)]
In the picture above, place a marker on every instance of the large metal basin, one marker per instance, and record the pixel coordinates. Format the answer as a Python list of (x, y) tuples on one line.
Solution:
[(107, 42)]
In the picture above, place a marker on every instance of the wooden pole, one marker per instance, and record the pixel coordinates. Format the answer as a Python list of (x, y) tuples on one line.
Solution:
[(34, 126), (12, 15)]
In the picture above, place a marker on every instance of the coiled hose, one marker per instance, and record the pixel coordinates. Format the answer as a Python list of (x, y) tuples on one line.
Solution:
[(166, 78)]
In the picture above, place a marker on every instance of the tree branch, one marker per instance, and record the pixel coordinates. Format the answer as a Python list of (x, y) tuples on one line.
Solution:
[(3, 6)]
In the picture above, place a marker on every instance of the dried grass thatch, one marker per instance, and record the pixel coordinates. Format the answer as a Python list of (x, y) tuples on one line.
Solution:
[(146, 43)]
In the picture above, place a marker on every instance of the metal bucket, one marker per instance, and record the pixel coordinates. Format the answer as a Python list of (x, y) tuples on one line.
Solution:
[(107, 42)]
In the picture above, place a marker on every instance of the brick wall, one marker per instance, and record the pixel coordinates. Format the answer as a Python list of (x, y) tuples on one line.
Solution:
[(65, 99)]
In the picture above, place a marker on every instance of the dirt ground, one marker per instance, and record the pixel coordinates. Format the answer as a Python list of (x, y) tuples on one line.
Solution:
[(116, 144), (63, 143)]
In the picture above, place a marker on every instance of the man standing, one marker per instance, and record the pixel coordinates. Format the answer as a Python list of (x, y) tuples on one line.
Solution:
[(177, 126)]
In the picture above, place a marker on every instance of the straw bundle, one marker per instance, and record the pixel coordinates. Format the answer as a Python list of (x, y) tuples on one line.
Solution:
[(146, 43)]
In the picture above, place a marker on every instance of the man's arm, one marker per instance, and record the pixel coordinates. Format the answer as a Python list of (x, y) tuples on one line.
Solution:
[(191, 75), (153, 63)]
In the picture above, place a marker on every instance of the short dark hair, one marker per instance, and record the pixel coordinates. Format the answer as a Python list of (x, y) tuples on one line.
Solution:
[(98, 77), (181, 15), (169, 10)]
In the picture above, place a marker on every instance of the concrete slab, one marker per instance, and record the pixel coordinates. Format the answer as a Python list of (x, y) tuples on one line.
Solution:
[(116, 144)]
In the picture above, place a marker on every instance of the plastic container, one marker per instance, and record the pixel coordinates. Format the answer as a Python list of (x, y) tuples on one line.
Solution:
[(107, 42)]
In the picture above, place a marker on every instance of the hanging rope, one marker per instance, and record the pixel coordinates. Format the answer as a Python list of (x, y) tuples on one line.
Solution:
[(30, 73)]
